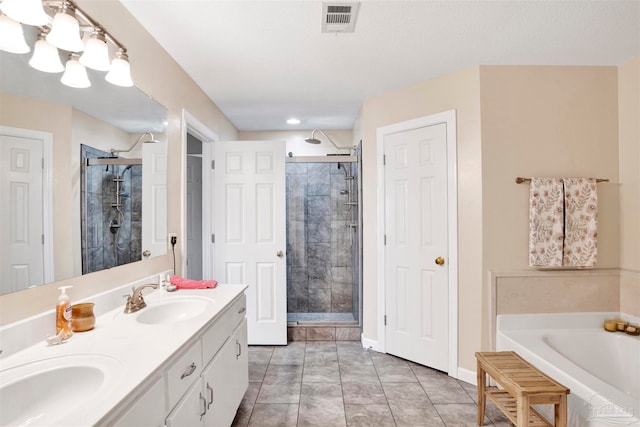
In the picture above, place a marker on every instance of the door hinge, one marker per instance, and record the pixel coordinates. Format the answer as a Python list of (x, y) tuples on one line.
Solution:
[(385, 320), (43, 163), (385, 240), (213, 164), (213, 238), (43, 239), (384, 160)]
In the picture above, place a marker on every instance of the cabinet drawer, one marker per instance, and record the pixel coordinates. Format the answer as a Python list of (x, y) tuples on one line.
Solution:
[(239, 310), (216, 335), (184, 372)]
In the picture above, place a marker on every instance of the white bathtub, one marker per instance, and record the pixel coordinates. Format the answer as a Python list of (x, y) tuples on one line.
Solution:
[(601, 368)]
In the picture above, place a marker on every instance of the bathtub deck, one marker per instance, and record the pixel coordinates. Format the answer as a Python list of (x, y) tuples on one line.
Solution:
[(524, 385)]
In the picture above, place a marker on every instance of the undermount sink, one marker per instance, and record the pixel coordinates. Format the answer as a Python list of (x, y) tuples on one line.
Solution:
[(38, 393), (173, 310)]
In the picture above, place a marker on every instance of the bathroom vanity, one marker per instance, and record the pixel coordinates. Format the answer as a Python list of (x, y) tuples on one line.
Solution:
[(181, 361)]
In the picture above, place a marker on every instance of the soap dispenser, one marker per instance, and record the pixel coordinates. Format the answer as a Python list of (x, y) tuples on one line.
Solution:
[(63, 314)]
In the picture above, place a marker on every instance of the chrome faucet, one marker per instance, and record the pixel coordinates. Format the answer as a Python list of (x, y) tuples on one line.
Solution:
[(135, 301)]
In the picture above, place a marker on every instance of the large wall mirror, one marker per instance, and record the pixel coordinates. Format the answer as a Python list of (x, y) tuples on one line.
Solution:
[(69, 205)]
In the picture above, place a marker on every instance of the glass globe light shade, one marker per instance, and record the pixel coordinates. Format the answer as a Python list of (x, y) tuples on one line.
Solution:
[(45, 57), (120, 72), (96, 53), (11, 36), (28, 12), (65, 32), (75, 74)]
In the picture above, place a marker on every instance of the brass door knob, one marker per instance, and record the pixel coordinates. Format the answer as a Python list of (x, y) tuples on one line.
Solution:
[(439, 260), (280, 254)]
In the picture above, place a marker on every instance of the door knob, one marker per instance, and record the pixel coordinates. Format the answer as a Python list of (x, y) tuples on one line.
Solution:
[(439, 260), (280, 254), (146, 253)]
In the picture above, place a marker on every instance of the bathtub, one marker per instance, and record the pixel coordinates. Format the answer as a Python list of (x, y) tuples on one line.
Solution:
[(601, 368)]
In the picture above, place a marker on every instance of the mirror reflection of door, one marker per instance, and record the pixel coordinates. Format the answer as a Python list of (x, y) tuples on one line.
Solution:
[(194, 208), (22, 210)]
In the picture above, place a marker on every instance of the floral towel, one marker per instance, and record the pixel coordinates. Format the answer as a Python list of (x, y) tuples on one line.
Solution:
[(545, 222), (580, 222)]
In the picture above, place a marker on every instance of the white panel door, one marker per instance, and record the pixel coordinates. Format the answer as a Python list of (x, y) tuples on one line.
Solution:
[(154, 199), (21, 213), (250, 232), (416, 233)]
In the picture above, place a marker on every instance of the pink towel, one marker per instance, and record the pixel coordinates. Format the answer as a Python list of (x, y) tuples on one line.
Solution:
[(182, 283)]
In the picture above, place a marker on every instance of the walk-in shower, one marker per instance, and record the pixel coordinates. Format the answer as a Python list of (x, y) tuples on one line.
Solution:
[(323, 243), (111, 210)]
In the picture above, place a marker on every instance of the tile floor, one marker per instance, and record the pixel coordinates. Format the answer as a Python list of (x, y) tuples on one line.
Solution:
[(338, 383)]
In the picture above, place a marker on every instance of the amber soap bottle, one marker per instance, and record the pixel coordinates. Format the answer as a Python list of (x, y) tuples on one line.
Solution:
[(63, 314)]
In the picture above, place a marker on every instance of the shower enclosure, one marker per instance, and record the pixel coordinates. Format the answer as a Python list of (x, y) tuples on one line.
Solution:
[(111, 210), (323, 247)]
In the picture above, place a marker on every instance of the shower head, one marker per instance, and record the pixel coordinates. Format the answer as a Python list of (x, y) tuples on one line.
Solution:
[(152, 140), (314, 140)]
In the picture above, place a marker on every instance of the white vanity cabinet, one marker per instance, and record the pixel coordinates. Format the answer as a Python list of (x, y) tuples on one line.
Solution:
[(226, 379), (201, 386), (215, 397)]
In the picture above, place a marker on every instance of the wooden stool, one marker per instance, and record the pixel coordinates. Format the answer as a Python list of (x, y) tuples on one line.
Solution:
[(523, 385)]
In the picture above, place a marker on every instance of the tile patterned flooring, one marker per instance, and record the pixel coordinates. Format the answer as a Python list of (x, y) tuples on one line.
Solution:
[(338, 383)]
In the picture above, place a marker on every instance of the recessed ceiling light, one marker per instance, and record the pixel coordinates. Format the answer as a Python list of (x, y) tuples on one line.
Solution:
[(293, 121)]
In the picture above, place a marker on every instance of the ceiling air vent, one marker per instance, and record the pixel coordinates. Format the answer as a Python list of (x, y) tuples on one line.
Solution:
[(339, 17)]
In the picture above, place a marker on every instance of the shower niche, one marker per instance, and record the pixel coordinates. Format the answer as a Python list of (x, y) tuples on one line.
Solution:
[(323, 248), (111, 210)]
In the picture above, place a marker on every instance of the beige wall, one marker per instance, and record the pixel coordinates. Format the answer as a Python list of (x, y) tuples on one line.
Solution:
[(629, 130), (512, 121), (158, 75), (546, 121), (459, 91)]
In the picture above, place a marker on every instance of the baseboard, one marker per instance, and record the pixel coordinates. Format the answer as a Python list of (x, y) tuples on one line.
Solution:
[(370, 344), (467, 376)]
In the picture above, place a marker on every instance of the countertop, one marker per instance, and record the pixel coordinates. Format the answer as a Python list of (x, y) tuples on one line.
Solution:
[(137, 350)]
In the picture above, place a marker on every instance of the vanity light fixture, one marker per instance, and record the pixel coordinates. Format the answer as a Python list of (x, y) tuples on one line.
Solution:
[(12, 36), (75, 74), (45, 56), (63, 31), (28, 12)]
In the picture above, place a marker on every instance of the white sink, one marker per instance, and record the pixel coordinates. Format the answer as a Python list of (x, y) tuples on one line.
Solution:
[(41, 392), (173, 310)]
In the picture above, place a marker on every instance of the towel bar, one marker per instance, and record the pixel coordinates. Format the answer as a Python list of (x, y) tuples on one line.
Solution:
[(520, 180)]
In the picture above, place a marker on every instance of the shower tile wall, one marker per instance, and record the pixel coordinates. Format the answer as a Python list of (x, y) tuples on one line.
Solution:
[(319, 258), (98, 192)]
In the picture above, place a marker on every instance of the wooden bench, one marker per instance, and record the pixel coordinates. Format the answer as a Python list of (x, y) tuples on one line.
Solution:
[(522, 386)]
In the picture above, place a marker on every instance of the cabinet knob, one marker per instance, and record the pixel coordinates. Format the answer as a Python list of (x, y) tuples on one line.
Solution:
[(439, 260)]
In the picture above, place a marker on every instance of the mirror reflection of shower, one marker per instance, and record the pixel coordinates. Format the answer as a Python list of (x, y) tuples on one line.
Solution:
[(111, 209)]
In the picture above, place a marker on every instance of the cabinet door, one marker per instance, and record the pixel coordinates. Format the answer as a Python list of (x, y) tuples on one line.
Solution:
[(218, 387), (190, 411), (241, 367), (149, 408)]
